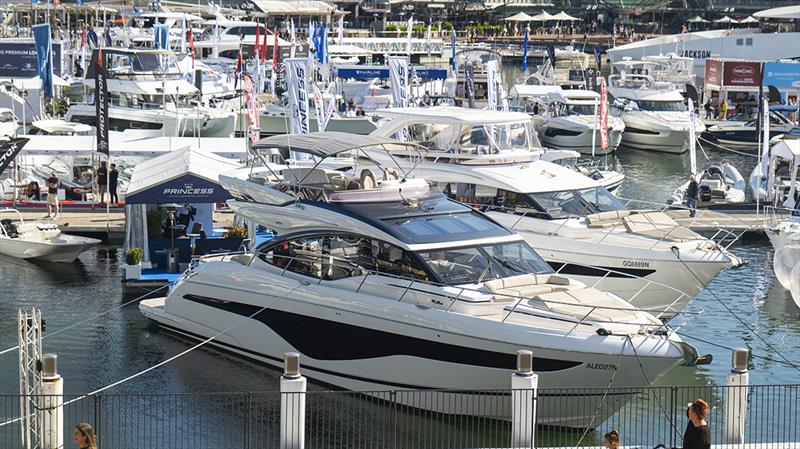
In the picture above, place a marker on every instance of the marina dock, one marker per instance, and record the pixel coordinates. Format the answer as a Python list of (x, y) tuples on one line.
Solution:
[(711, 221)]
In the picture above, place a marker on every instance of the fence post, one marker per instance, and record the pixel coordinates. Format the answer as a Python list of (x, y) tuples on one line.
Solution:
[(524, 384), (293, 403), (52, 407), (736, 398)]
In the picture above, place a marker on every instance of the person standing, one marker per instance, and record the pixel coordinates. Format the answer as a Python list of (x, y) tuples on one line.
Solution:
[(708, 109), (113, 178), (52, 195), (692, 195), (723, 110), (102, 182), (697, 434), (84, 436)]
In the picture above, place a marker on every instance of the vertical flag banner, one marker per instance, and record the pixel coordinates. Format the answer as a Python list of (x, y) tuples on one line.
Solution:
[(161, 36), (525, 50), (469, 85), (409, 32), (297, 85), (84, 37), (191, 44), (275, 53), (107, 37), (491, 84), (597, 59), (692, 138), (101, 103), (340, 31), (428, 36), (252, 108), (319, 105), (453, 51), (44, 56), (398, 77), (603, 114), (183, 35), (215, 50), (9, 150), (293, 37), (765, 125)]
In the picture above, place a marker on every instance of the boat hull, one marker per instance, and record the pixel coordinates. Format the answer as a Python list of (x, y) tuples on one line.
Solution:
[(51, 252)]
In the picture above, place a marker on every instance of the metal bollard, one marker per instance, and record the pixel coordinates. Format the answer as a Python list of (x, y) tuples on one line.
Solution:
[(524, 384), (293, 403), (51, 413), (735, 407)]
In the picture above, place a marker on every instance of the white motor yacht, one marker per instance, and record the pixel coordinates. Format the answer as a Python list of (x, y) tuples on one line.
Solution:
[(776, 179), (655, 116), (719, 183), (566, 118), (42, 241), (473, 136), (742, 132), (149, 97), (397, 287), (573, 222)]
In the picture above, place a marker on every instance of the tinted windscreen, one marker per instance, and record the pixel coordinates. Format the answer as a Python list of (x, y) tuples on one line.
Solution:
[(445, 228), (476, 264)]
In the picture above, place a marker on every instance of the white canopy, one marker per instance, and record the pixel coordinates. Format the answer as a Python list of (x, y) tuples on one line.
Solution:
[(46, 145), (784, 12), (725, 19), (532, 90), (697, 19), (454, 114), (520, 17), (35, 82), (294, 8), (564, 16), (178, 163), (172, 15), (543, 17), (749, 19)]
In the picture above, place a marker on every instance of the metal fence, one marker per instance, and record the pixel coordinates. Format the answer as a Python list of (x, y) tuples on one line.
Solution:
[(404, 419)]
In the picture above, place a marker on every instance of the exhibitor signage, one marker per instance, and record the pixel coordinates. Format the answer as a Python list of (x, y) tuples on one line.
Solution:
[(713, 74), (739, 73)]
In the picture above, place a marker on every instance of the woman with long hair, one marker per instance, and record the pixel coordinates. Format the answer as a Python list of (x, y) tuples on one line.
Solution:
[(84, 436), (611, 439), (697, 434)]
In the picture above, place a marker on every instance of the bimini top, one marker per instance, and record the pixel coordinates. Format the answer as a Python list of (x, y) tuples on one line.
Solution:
[(327, 143), (453, 114)]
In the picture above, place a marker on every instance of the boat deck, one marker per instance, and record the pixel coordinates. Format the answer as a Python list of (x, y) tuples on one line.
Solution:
[(709, 221)]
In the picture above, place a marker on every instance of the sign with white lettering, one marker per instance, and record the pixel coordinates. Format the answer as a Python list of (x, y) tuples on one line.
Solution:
[(187, 188)]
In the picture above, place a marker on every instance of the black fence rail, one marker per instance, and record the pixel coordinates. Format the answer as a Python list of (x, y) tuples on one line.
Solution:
[(410, 419)]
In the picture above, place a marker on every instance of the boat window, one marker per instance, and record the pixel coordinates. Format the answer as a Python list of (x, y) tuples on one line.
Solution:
[(579, 109), (6, 116), (303, 256), (471, 265), (445, 227), (576, 203), (661, 106)]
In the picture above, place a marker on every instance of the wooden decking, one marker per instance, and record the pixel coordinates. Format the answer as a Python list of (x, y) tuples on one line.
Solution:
[(710, 221)]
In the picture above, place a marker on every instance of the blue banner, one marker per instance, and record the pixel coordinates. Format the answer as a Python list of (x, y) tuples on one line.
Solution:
[(783, 75), (161, 36), (551, 55), (187, 188), (369, 72), (525, 51), (19, 59), (453, 48), (44, 58)]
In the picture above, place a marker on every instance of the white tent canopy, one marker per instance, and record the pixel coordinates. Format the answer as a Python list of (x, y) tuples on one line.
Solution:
[(564, 16), (543, 17), (697, 19), (749, 19), (519, 17), (784, 12), (725, 19), (48, 145), (294, 8)]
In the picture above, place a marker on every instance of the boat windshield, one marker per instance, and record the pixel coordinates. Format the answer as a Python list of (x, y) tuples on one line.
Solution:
[(579, 109), (475, 264), (567, 203), (661, 106), (469, 139)]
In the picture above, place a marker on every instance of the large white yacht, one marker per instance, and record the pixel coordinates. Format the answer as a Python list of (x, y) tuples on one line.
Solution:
[(566, 118), (397, 286), (149, 97), (655, 116), (573, 222)]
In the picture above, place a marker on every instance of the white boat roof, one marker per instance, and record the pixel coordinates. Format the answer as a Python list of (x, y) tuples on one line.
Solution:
[(121, 145), (61, 126), (454, 114), (672, 40), (532, 90), (177, 163), (327, 143), (532, 177), (579, 94), (172, 15), (151, 87), (784, 12), (787, 149)]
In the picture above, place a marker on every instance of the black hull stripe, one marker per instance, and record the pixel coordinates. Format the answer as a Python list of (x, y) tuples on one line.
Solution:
[(330, 340), (613, 272), (237, 350)]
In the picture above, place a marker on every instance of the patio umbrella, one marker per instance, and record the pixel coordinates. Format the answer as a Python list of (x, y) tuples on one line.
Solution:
[(520, 17), (749, 19), (725, 19), (564, 16), (543, 17), (697, 19)]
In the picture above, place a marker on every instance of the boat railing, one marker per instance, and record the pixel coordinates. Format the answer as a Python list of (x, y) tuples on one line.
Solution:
[(451, 299)]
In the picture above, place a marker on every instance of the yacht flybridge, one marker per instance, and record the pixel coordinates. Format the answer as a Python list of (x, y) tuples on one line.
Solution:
[(655, 116), (573, 222), (395, 286), (148, 96)]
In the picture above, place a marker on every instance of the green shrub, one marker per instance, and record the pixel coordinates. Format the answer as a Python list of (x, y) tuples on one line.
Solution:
[(133, 256), (154, 219)]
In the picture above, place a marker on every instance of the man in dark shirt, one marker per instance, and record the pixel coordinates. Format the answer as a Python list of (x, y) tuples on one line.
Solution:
[(692, 194), (52, 195), (102, 182), (113, 177)]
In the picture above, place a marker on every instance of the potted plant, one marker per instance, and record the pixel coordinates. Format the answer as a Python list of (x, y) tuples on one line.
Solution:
[(133, 263)]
